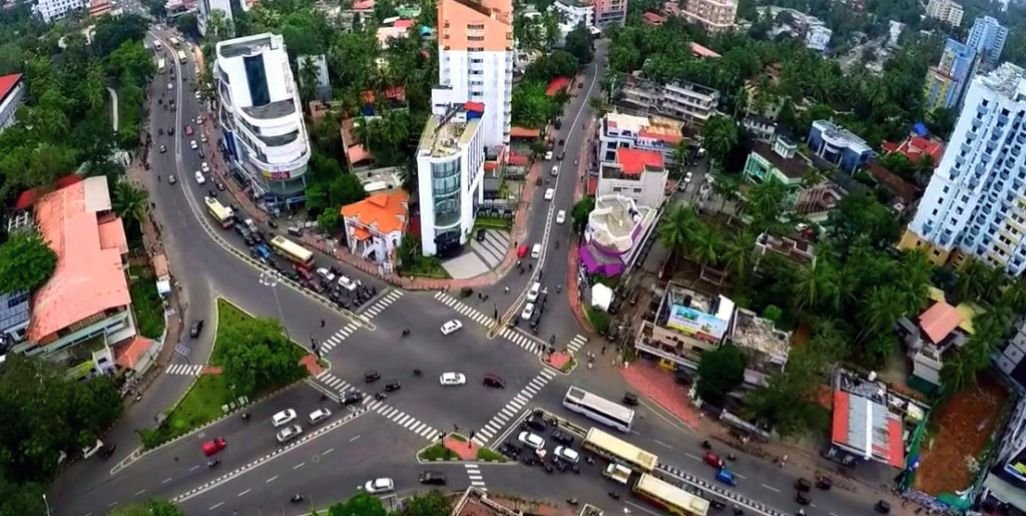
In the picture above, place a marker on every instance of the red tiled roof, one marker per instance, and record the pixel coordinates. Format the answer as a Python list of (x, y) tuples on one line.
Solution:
[(652, 18), (127, 356), (517, 160), (636, 161), (7, 84), (915, 146), (477, 107), (391, 93), (556, 85), (490, 166), (28, 197), (939, 321), (700, 51), (403, 24), (365, 5), (661, 135), (523, 132), (385, 212), (908, 192)]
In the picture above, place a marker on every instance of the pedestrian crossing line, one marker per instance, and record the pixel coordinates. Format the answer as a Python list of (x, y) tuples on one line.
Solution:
[(577, 342), (339, 336), (521, 340), (397, 416), (185, 369), (475, 476), (512, 408), (464, 309), (381, 304)]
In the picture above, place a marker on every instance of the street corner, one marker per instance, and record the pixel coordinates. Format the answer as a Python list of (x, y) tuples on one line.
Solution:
[(660, 387), (312, 364), (560, 361), (456, 447)]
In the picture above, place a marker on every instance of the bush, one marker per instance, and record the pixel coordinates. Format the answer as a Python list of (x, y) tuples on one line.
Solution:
[(598, 319), (489, 455), (437, 452)]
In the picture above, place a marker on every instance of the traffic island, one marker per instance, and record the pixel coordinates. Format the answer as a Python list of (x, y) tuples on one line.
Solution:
[(564, 362), (456, 447)]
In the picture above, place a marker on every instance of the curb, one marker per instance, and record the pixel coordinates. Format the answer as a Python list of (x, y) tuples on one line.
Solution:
[(458, 460)]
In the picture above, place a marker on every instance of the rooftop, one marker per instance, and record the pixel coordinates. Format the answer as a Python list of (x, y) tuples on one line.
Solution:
[(794, 167), (380, 179), (245, 46), (900, 188), (915, 147), (794, 249), (385, 212), (556, 85), (755, 333), (938, 321), (636, 161), (89, 278), (867, 426), (7, 84), (836, 132), (614, 221), (1007, 80), (657, 128), (444, 135), (128, 355), (694, 313), (700, 51)]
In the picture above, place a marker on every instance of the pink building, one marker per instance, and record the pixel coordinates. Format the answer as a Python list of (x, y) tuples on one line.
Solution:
[(610, 12), (713, 15)]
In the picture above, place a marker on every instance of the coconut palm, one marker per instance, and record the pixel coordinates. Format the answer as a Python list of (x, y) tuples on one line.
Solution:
[(958, 372), (130, 203), (914, 281), (971, 281), (879, 311), (738, 255), (719, 137), (706, 245), (677, 230), (818, 285)]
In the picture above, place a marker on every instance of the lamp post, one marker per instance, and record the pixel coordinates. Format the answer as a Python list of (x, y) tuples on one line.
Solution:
[(271, 279), (47, 504)]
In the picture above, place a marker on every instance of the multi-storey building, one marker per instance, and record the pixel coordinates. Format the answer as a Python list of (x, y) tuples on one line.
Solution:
[(475, 62), (987, 38), (635, 132), (635, 173), (12, 90), (713, 15), (686, 101), (946, 82), (206, 9), (686, 324), (975, 204), (817, 37), (945, 11), (839, 146), (450, 177), (261, 118), (575, 12), (617, 229), (53, 10), (610, 12)]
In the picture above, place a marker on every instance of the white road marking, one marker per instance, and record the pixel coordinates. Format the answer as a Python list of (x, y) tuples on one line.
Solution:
[(194, 468), (139, 492), (663, 444), (329, 450), (244, 493), (297, 466), (696, 457), (771, 488), (166, 480), (272, 479), (350, 440), (212, 507)]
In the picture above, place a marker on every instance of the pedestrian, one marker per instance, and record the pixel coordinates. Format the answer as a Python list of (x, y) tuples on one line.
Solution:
[(603, 350), (322, 323), (506, 288)]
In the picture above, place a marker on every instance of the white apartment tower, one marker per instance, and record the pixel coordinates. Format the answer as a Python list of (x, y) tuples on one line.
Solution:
[(53, 10), (261, 119), (206, 9), (975, 204), (475, 62)]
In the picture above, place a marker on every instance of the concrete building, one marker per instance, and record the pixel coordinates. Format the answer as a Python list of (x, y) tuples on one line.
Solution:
[(206, 9), (945, 83), (781, 162), (15, 314), (636, 132), (53, 10), (475, 63), (941, 329), (766, 348), (84, 309), (613, 238), (610, 13), (450, 175), (713, 15), (975, 204), (635, 173), (261, 119), (375, 227), (688, 102), (12, 91), (945, 11), (573, 13), (839, 146), (987, 38), (817, 38), (686, 324), (795, 250)]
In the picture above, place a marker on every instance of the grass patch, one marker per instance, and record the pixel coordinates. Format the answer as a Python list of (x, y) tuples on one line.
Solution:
[(483, 222), (598, 319), (146, 302), (489, 455), (426, 266), (569, 365), (228, 315), (437, 452)]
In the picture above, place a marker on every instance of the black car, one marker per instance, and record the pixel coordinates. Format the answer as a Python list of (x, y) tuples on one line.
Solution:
[(802, 498), (563, 438), (561, 156), (535, 423), (107, 450), (352, 398), (392, 386), (492, 380), (432, 477), (171, 130), (371, 376), (630, 399), (480, 235), (196, 329)]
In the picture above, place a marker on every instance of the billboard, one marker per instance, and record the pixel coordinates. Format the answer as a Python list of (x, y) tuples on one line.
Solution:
[(696, 323)]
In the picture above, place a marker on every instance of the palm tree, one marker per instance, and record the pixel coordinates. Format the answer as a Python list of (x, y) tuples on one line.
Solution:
[(130, 203), (706, 245), (738, 255), (958, 372), (879, 311), (971, 281), (818, 286), (719, 136), (914, 281), (678, 229)]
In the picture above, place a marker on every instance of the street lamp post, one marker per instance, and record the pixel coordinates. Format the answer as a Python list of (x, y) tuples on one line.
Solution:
[(47, 504), (271, 279)]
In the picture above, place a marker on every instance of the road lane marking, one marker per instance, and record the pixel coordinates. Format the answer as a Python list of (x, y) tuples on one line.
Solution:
[(166, 480), (691, 456), (112, 504), (139, 492), (297, 466), (640, 508), (272, 479), (350, 440), (771, 488), (663, 444), (738, 475), (194, 468), (329, 450), (244, 493), (212, 507)]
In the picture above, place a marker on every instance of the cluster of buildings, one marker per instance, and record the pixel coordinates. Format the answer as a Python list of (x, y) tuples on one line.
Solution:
[(945, 11), (946, 82)]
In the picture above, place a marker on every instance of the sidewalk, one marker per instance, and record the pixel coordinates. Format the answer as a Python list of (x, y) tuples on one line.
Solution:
[(572, 290)]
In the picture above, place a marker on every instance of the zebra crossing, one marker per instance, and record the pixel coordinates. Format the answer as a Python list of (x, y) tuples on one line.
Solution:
[(476, 479), (513, 407), (384, 302), (397, 416), (576, 343), (464, 309), (185, 369), (522, 340), (339, 336)]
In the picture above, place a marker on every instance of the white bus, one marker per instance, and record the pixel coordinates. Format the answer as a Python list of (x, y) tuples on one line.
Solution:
[(221, 213), (181, 57), (175, 42), (161, 65), (670, 497), (619, 451), (598, 408)]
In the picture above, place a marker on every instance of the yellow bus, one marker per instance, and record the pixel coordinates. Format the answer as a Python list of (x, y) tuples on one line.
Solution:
[(161, 65), (295, 253), (618, 450), (181, 57), (221, 213), (669, 497)]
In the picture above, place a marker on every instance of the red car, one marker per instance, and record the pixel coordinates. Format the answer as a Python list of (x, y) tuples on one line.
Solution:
[(713, 460), (211, 448), (522, 251), (188, 130)]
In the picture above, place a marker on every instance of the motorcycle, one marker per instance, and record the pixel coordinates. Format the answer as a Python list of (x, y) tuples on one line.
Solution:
[(572, 501), (379, 396), (406, 332), (296, 498), (417, 372), (706, 445), (614, 495), (245, 416)]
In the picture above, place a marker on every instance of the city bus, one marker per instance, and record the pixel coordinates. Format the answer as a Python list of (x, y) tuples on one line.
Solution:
[(598, 408), (619, 451), (161, 65), (294, 252), (669, 497), (221, 213), (181, 57), (175, 42)]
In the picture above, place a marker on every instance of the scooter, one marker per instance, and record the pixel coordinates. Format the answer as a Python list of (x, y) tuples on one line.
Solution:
[(417, 372), (406, 332), (572, 501), (296, 498)]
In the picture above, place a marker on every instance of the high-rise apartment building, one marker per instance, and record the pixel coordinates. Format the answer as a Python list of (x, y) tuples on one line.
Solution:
[(713, 15), (946, 11), (987, 38), (975, 204), (610, 12), (53, 10), (475, 62), (264, 135), (946, 82), (206, 9)]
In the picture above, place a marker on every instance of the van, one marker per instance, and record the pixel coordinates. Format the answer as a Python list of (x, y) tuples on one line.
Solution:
[(536, 251), (295, 231)]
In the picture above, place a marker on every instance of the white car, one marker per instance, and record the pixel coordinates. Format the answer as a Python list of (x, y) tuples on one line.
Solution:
[(548, 155), (568, 454), (203, 138), (319, 415), (204, 167), (192, 145), (560, 216), (379, 485), (527, 312), (452, 379), (532, 293), (198, 94), (170, 86), (531, 440), (451, 326), (550, 193), (687, 177), (555, 170), (283, 418), (347, 283), (325, 273), (199, 178), (289, 433)]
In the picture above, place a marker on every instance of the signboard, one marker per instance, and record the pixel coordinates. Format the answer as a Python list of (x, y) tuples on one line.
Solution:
[(281, 175), (696, 323)]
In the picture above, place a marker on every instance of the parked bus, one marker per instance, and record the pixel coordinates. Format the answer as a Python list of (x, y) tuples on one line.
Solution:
[(619, 451), (598, 408), (672, 498), (175, 42), (181, 57), (161, 65), (294, 252), (221, 213)]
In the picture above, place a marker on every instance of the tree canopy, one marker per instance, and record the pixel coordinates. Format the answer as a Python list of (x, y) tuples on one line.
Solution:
[(26, 262), (720, 371), (257, 354), (149, 508)]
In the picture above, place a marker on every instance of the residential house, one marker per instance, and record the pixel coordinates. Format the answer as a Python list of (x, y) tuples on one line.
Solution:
[(636, 173), (839, 146), (375, 227), (795, 249), (781, 162), (689, 102)]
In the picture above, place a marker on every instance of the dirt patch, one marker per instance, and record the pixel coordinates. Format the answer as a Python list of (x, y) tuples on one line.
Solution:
[(964, 425)]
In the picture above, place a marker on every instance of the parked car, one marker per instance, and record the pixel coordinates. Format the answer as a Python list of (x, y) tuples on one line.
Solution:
[(371, 376), (452, 378), (491, 380), (379, 485), (163, 149), (347, 283), (432, 478), (318, 415), (289, 433), (531, 440), (566, 454), (451, 326), (563, 438)]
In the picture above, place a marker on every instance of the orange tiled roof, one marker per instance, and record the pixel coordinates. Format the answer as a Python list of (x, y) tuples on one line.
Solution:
[(89, 277), (385, 212), (127, 356), (523, 132), (939, 321), (636, 161)]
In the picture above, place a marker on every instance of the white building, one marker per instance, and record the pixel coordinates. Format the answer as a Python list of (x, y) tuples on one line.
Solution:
[(572, 13), (635, 173), (686, 101), (375, 227), (206, 9), (818, 38), (975, 203), (637, 132), (450, 176), (53, 10), (946, 11), (261, 118), (12, 90), (475, 62)]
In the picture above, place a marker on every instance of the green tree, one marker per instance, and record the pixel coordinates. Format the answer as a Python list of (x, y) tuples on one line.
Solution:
[(150, 508), (720, 371), (971, 281), (958, 371), (580, 212), (578, 42), (678, 230), (114, 31), (432, 503), (818, 286), (766, 202), (861, 217), (257, 354), (130, 203), (361, 504), (738, 255), (329, 221), (786, 404), (26, 262), (719, 137)]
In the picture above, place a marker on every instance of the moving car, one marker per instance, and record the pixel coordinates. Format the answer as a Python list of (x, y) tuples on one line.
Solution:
[(550, 193), (204, 167), (283, 418), (727, 477), (568, 454), (163, 149), (379, 485), (532, 293), (392, 386), (548, 155), (347, 283), (199, 178), (555, 170), (492, 380), (432, 477), (371, 376), (562, 437), (319, 415), (171, 180), (531, 440), (452, 378), (451, 326), (528, 312), (288, 433), (196, 329), (560, 216), (213, 446), (352, 398), (192, 143)]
